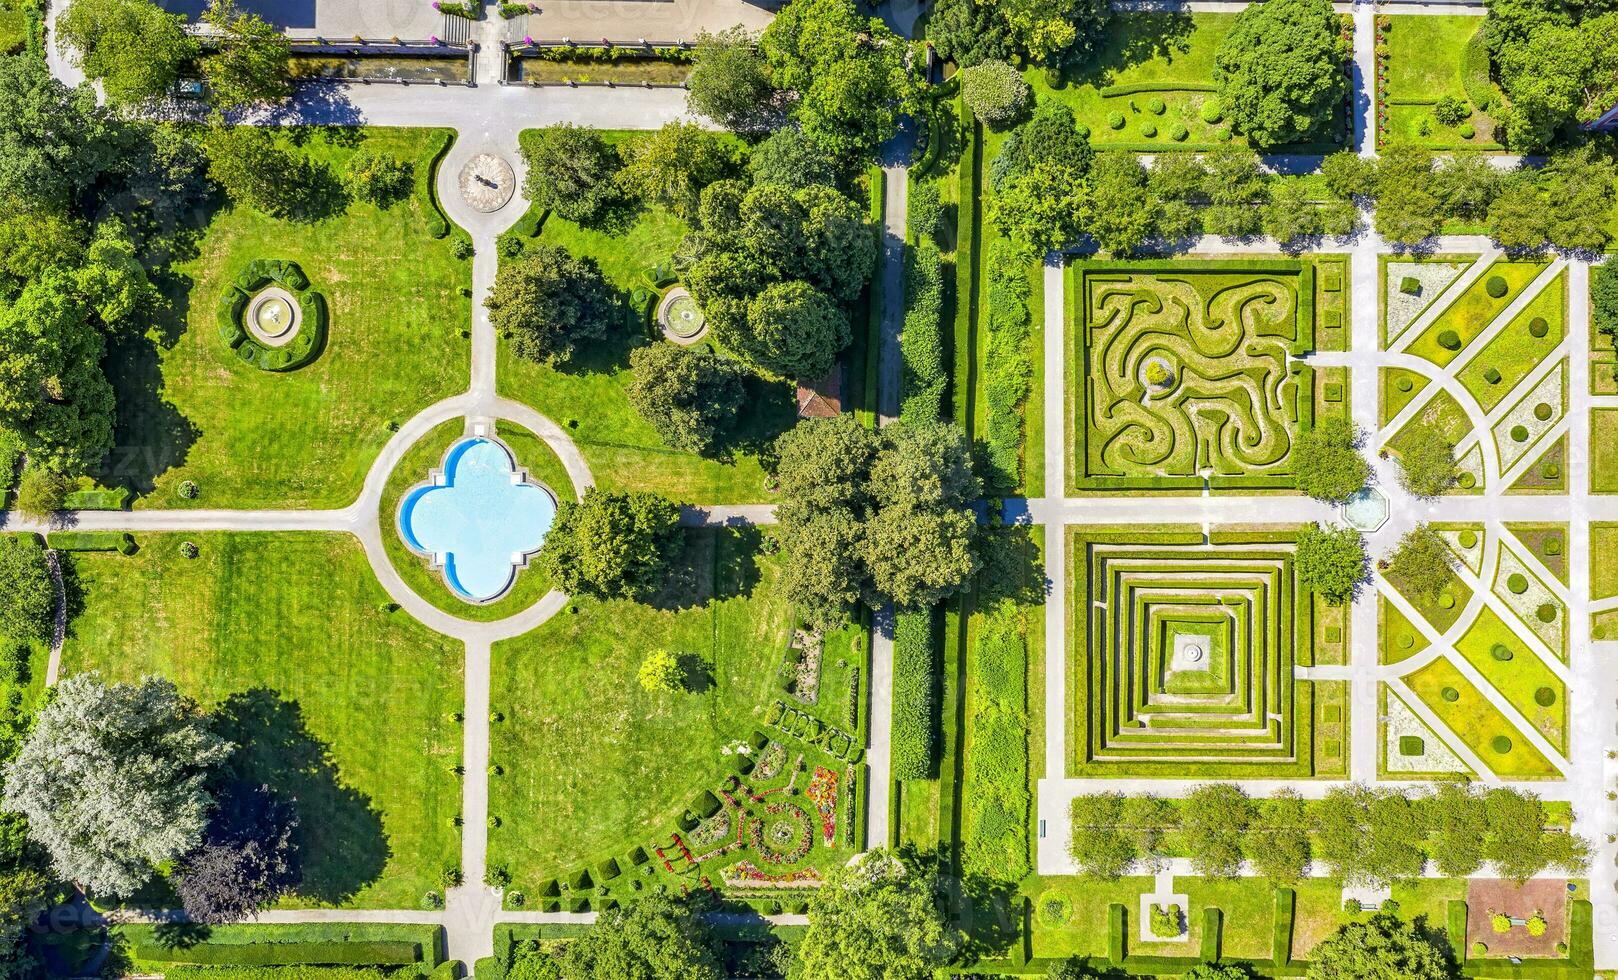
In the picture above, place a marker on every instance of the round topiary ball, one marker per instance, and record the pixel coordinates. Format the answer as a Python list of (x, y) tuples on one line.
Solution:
[(1449, 340), (1500, 744), (1178, 133), (1537, 327), (1519, 433), (1546, 613), (1496, 287), (1551, 470), (1115, 120), (1544, 697), (1552, 544), (1543, 412), (1468, 538), (1517, 583), (1492, 376), (1404, 383), (1446, 600), (1148, 129), (189, 549), (1406, 641), (1501, 652), (189, 490), (1212, 112), (1054, 79), (1155, 106), (1467, 480), (1450, 694), (1468, 131)]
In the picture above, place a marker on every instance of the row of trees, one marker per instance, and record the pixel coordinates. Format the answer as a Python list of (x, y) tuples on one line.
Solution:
[(1360, 834)]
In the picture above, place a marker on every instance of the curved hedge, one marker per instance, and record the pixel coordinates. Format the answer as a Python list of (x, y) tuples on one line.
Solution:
[(1475, 71), (302, 348)]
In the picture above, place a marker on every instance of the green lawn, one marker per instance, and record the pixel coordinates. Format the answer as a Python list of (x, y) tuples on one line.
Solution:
[(1399, 387), (1603, 574), (1474, 310), (594, 765), (1437, 611), (1477, 722), (1160, 52), (1603, 457), (1394, 630), (189, 409), (1424, 65), (332, 699), (1515, 351), (532, 454), (1248, 905), (1518, 678)]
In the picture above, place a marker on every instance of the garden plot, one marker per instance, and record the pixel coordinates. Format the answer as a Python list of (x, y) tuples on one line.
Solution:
[(1513, 668), (1536, 606), (1533, 415), (1519, 348), (1471, 313), (1413, 286), (1477, 723), (1435, 87), (1467, 543), (1409, 745)]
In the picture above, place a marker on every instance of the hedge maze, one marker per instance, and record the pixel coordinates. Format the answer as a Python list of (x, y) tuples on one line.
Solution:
[(1187, 368), (1183, 655)]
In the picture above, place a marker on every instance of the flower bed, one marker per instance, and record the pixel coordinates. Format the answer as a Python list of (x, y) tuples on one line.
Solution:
[(786, 839), (823, 791)]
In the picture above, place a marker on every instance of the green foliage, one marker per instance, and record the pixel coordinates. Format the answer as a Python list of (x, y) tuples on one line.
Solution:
[(672, 165), (28, 602), (1058, 34), (1216, 818), (1008, 371), (915, 700), (1280, 71), (373, 953), (114, 284), (1604, 298), (661, 671), (1451, 111), (877, 919), (134, 48), (1327, 461), (1121, 215), (250, 64), (273, 973), (1426, 461), (1384, 947), (1408, 209), (1422, 563), (730, 82), (692, 397), (792, 159), (1237, 189), (379, 178), (1331, 561), (921, 345), (995, 840), (654, 938), (1039, 176), (1112, 831), (1347, 174), (1556, 63), (995, 92), (925, 211), (791, 329), (54, 141), (613, 545), (547, 302), (53, 392), (256, 168), (42, 492)]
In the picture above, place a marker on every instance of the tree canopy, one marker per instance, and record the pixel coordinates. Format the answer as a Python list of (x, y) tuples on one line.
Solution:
[(547, 302), (672, 165), (653, 938), (877, 919), (1426, 461), (572, 172), (1280, 71), (53, 392), (613, 545), (54, 141), (1558, 63), (1331, 561), (251, 61), (692, 397), (248, 857), (730, 82), (1385, 947), (134, 48), (1064, 33), (1421, 563), (1327, 461), (27, 593)]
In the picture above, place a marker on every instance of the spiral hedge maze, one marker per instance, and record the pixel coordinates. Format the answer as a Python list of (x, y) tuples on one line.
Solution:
[(1183, 655), (1188, 368)]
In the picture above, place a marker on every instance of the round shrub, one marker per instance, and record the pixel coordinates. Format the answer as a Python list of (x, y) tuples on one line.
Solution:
[(1519, 433), (1501, 652), (1496, 287), (1082, 130), (1552, 544), (1178, 133), (1498, 921), (1404, 383), (1468, 131), (1537, 327), (432, 901), (1223, 135), (995, 93), (1450, 694), (1155, 106), (1550, 470), (1115, 120), (1492, 376), (303, 347), (1446, 600), (1148, 129), (1544, 697), (1449, 340), (1479, 949), (1406, 641), (1517, 583), (1543, 412), (1467, 480), (1054, 79), (1546, 613), (1500, 744), (1212, 112), (189, 549), (1536, 925), (189, 489), (1352, 906), (1468, 538)]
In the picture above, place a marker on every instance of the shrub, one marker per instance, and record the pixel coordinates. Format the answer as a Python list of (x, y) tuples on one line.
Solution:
[(609, 868), (381, 179), (1546, 613), (1543, 411), (925, 210), (119, 541), (1155, 106), (1479, 949), (1115, 120), (189, 549), (1449, 340), (1500, 744), (1500, 922), (915, 702), (1352, 906), (189, 489), (1519, 433), (1179, 133), (1165, 920), (1491, 375), (921, 346), (1410, 286), (1008, 370), (995, 93), (333, 952), (1537, 327), (1536, 925), (1450, 694), (1451, 111), (42, 491), (1468, 131), (1544, 697), (1496, 287), (1468, 538), (1212, 112), (1148, 129)]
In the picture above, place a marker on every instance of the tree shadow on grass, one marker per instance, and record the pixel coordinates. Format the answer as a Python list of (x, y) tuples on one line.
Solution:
[(1144, 36), (715, 564), (340, 833), (150, 436)]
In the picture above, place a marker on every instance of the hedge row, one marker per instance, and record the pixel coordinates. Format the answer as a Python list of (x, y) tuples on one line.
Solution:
[(1137, 88), (113, 499), (332, 953), (1286, 901), (967, 235), (915, 695), (995, 838), (120, 541), (1213, 922), (427, 182), (1475, 70), (274, 973), (921, 345), (310, 339), (1008, 372)]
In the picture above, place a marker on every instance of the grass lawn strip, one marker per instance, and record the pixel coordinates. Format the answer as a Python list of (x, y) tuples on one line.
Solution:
[(1400, 386), (1472, 312), (346, 705), (190, 409), (1535, 599), (1477, 723), (1396, 632), (1520, 679), (1513, 353), (1603, 574), (1536, 413), (1603, 461)]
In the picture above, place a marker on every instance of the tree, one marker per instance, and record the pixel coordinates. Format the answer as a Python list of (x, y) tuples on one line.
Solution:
[(1121, 212), (826, 575), (1557, 62), (1280, 71), (1579, 195), (1291, 214), (247, 860), (1053, 34), (995, 92), (825, 463), (1331, 561), (54, 141), (1216, 820), (1278, 837), (1517, 842), (27, 593), (251, 64), (692, 397), (1408, 210), (1111, 832), (380, 178), (653, 938), (1347, 174), (114, 283), (791, 329), (256, 169), (1045, 209), (1517, 214), (1467, 184), (572, 173), (1384, 947), (1237, 190), (848, 71), (730, 82), (612, 545), (1426, 461), (1604, 298), (134, 48), (1327, 461), (922, 466), (53, 393), (41, 492), (917, 558), (33, 240), (673, 165), (1460, 822), (1422, 564), (792, 159), (112, 780), (661, 671), (547, 302), (877, 919), (1212, 971)]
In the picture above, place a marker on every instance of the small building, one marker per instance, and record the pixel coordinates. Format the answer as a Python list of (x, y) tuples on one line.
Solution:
[(821, 399)]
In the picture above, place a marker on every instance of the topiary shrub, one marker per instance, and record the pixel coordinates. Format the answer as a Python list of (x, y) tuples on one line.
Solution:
[(1479, 949), (1449, 340), (995, 93), (1536, 925), (1148, 129), (1450, 694), (1404, 383), (1054, 79), (1517, 583), (189, 489), (1537, 327), (1405, 641), (1446, 600), (1543, 412), (1468, 538), (1519, 433), (1155, 106), (1551, 470), (1552, 545), (1352, 906), (1546, 613), (1451, 111), (303, 347), (1410, 286), (1212, 112), (1467, 131), (1115, 120), (1179, 133), (1501, 652), (1411, 745), (1500, 744), (1544, 697), (1499, 922), (1492, 376), (1496, 287), (1467, 480), (189, 549)]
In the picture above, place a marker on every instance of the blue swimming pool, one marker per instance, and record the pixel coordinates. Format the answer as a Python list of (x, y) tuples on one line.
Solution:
[(478, 518)]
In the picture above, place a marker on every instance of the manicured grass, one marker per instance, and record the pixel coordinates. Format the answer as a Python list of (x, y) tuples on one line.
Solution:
[(1547, 542), (330, 698), (1515, 351), (1603, 574), (1424, 65), (1394, 396), (1603, 457), (594, 765), (1248, 905), (1442, 412), (1333, 307), (622, 449), (1152, 48), (189, 409), (1477, 722), (1393, 627), (1519, 678), (1548, 474), (532, 455), (1435, 611), (1604, 625), (1474, 310)]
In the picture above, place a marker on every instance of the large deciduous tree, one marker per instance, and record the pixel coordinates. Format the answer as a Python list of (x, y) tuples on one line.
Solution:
[(572, 172), (53, 392), (1426, 461), (1384, 947), (548, 301), (134, 48), (654, 938), (692, 397), (1326, 460), (251, 62), (54, 141), (612, 545), (1058, 34), (672, 165), (730, 82), (27, 594), (1280, 70), (879, 918), (248, 857), (113, 780), (1421, 565), (1331, 561), (1558, 63)]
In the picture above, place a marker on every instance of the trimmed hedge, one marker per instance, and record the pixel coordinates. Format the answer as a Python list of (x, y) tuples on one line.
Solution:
[(1008, 371), (968, 238), (98, 499), (1137, 88), (915, 695), (427, 181), (380, 953), (1115, 932), (1475, 70), (310, 339), (921, 345), (1212, 921), (275, 973), (1281, 931), (120, 541), (1455, 925), (995, 827)]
